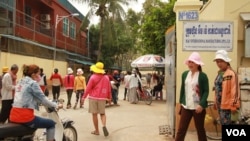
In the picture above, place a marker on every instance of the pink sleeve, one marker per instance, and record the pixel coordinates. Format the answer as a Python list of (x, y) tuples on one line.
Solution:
[(88, 88)]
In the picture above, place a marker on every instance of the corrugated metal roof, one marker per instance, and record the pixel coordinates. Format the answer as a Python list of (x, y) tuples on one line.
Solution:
[(71, 8), (7, 4)]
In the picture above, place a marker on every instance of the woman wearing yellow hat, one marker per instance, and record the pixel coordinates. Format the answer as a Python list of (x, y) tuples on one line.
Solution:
[(98, 91)]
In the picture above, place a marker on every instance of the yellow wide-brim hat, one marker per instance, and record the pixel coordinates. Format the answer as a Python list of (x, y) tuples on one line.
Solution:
[(5, 69), (98, 68)]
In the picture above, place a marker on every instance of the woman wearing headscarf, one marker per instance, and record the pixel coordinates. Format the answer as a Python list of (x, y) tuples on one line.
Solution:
[(79, 87), (133, 84), (193, 98), (69, 85), (226, 88)]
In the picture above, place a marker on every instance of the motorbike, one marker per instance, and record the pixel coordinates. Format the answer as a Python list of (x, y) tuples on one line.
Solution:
[(65, 131)]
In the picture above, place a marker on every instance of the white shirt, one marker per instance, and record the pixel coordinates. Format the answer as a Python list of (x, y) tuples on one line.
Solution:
[(41, 82), (133, 81), (191, 86), (126, 79), (7, 87)]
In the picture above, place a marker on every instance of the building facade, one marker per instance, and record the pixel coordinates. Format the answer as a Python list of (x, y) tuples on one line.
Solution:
[(206, 28), (44, 32)]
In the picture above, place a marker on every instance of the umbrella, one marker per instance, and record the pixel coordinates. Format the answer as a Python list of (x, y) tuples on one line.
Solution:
[(149, 60)]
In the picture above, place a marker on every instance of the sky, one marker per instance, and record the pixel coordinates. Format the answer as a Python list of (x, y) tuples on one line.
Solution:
[(83, 8)]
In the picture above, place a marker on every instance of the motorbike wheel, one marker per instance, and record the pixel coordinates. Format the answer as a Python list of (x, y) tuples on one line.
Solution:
[(69, 133)]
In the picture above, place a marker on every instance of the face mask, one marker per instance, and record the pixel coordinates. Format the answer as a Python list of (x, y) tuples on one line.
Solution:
[(38, 78)]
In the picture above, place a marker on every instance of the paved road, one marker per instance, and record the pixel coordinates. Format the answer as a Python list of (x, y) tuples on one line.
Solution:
[(126, 122)]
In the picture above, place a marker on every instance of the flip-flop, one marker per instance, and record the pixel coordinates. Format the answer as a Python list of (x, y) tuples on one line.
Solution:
[(105, 131), (95, 133)]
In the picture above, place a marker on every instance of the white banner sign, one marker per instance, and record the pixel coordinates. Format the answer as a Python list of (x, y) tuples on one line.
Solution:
[(208, 36)]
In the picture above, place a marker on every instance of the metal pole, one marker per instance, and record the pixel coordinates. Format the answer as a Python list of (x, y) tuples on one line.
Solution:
[(58, 19), (88, 42), (54, 53)]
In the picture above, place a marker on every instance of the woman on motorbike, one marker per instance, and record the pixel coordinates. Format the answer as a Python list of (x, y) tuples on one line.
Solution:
[(28, 96)]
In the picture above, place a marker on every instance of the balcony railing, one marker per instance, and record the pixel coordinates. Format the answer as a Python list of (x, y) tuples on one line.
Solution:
[(32, 28)]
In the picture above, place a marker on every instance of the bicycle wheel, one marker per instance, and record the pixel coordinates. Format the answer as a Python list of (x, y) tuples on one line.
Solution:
[(147, 97), (70, 133), (215, 135)]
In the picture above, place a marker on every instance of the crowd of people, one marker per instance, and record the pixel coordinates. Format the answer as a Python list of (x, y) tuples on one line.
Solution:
[(101, 87), (20, 98)]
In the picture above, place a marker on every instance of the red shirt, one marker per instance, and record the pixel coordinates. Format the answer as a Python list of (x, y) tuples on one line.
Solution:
[(56, 79), (69, 81)]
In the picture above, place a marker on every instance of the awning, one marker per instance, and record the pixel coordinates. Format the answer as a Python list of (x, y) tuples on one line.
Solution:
[(84, 62), (149, 61), (43, 46), (115, 68)]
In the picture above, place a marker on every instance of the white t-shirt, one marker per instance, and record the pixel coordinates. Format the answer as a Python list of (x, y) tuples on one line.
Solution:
[(41, 82), (133, 81), (126, 79), (191, 86)]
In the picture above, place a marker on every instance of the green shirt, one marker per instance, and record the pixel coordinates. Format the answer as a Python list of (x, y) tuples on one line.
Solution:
[(203, 85)]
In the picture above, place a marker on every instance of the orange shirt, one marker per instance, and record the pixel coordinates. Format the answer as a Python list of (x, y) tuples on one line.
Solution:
[(21, 115)]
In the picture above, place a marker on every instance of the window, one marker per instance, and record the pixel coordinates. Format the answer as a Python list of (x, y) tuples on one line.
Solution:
[(27, 15), (66, 26), (72, 30)]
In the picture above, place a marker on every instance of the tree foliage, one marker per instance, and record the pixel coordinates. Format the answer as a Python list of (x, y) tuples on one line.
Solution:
[(119, 36), (157, 18), (104, 9)]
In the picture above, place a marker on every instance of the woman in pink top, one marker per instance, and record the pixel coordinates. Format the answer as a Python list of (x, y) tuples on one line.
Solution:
[(69, 85), (98, 91)]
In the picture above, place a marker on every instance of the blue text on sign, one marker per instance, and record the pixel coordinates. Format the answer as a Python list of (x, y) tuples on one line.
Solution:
[(188, 15)]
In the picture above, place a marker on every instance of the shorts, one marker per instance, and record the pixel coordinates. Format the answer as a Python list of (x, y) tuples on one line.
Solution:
[(97, 106)]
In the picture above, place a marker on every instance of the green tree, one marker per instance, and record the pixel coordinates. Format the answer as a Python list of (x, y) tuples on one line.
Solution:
[(115, 48), (157, 18), (133, 22), (103, 8), (93, 40)]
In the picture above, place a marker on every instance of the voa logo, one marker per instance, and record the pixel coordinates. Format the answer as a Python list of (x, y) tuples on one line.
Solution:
[(236, 132)]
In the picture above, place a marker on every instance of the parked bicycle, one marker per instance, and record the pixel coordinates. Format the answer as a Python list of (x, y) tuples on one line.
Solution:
[(145, 95), (216, 123), (244, 119)]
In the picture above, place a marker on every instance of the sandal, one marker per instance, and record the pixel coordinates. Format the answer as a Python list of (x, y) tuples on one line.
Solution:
[(95, 133), (68, 106), (105, 131)]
